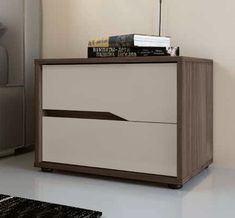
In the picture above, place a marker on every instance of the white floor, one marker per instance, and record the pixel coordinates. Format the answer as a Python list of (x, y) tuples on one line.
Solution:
[(209, 195)]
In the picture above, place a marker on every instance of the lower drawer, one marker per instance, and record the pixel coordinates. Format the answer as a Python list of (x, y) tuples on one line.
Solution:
[(130, 146)]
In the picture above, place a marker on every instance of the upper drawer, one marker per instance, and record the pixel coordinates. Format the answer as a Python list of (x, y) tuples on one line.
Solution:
[(135, 92)]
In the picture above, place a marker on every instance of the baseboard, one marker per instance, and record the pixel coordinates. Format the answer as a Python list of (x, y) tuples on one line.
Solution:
[(7, 152), (25, 149)]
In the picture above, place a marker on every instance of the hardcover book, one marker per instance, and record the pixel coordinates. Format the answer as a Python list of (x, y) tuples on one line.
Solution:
[(131, 40), (132, 52)]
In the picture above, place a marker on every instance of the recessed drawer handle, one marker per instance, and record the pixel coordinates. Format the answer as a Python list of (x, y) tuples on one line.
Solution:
[(83, 115)]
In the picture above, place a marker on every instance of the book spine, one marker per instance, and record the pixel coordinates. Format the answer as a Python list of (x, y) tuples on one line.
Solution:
[(121, 41), (132, 52), (113, 41)]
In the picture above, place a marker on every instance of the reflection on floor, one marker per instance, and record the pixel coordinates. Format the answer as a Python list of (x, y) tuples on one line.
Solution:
[(209, 195)]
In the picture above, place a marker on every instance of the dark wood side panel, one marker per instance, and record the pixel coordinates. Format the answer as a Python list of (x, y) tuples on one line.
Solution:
[(195, 124), (38, 113)]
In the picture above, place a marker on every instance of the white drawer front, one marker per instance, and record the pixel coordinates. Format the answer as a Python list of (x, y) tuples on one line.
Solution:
[(130, 146), (135, 92)]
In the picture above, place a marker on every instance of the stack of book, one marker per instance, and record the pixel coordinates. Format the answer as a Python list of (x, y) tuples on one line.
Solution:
[(132, 45)]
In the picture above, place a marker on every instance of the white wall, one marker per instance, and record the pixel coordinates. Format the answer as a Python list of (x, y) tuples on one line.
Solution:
[(69, 24), (206, 29), (201, 28), (32, 50)]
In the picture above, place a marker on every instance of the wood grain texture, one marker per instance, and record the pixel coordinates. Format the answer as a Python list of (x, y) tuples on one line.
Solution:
[(120, 60), (109, 173), (38, 113), (195, 118)]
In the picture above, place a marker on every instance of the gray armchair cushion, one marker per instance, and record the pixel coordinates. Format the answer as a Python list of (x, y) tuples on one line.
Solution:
[(3, 66), (3, 29)]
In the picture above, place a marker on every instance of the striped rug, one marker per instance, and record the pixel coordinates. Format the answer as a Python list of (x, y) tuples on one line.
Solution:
[(13, 207)]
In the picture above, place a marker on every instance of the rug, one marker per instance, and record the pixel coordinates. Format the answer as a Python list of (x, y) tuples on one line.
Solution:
[(13, 207), (3, 196)]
